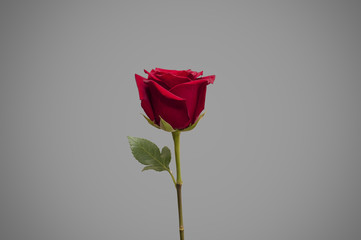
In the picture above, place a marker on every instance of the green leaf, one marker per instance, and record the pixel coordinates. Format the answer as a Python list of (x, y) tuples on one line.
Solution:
[(165, 126), (193, 125), (147, 153), (165, 155)]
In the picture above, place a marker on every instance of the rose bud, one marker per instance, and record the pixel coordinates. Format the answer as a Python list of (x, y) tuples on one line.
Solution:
[(173, 99)]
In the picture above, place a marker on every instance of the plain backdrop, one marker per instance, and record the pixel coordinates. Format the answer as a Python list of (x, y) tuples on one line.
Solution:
[(276, 157)]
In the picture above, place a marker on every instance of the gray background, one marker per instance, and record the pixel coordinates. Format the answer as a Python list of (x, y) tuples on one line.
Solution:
[(277, 156)]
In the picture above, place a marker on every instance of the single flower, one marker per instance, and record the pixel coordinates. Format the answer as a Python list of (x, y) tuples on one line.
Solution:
[(175, 96)]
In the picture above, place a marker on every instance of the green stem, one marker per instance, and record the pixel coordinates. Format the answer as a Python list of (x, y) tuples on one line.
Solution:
[(179, 183), (176, 136), (180, 211)]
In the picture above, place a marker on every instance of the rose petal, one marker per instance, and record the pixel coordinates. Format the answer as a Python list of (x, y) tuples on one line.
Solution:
[(143, 90), (182, 73), (196, 74), (170, 107), (152, 76), (171, 80), (209, 78), (194, 93)]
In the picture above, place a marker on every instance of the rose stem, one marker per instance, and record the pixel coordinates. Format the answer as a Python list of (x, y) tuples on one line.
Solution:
[(179, 182)]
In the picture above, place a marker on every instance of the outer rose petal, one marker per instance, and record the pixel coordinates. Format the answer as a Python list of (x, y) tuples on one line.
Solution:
[(209, 78), (152, 76), (202, 95), (143, 90), (194, 93), (170, 107), (196, 74)]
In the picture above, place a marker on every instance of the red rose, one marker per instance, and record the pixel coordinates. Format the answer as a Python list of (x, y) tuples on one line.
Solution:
[(177, 96)]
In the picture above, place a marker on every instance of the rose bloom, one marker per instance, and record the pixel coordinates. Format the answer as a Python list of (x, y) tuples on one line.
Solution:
[(177, 96)]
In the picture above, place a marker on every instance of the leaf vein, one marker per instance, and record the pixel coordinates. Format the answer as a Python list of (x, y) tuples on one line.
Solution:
[(155, 158)]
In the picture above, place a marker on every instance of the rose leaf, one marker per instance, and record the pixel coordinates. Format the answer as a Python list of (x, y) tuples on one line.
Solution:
[(148, 153)]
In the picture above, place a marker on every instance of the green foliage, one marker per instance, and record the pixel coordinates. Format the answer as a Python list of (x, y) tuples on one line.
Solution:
[(147, 153)]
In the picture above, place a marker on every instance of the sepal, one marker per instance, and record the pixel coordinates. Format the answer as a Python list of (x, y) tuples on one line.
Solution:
[(166, 126), (151, 122), (192, 126)]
